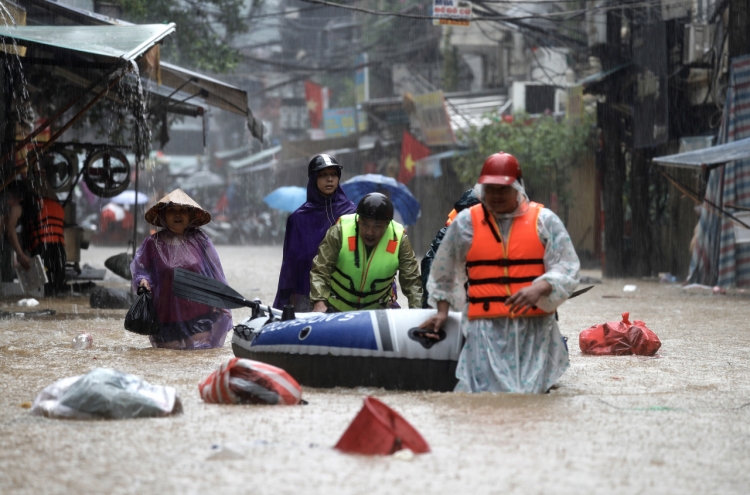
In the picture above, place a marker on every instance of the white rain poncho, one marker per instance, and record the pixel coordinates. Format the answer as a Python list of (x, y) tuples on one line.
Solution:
[(525, 355)]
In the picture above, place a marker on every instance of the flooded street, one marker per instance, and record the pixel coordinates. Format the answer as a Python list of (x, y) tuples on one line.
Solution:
[(675, 423)]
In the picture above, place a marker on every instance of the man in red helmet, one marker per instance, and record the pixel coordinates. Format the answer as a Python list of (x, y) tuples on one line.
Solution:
[(519, 265)]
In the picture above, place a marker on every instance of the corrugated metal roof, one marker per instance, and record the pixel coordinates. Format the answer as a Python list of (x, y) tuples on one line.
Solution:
[(216, 93), (713, 156), (111, 42), (466, 111)]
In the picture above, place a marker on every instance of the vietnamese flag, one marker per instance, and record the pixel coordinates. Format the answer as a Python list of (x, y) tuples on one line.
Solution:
[(314, 99), (411, 151)]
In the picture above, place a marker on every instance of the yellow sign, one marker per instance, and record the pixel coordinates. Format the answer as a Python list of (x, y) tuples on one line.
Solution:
[(434, 120)]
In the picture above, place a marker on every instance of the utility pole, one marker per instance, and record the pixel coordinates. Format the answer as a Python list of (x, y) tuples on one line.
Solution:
[(613, 172), (7, 137)]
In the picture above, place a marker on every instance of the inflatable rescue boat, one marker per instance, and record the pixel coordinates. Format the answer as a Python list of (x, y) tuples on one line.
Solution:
[(381, 348)]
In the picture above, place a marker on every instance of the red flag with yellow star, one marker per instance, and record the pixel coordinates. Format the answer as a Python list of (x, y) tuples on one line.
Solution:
[(314, 100), (411, 151)]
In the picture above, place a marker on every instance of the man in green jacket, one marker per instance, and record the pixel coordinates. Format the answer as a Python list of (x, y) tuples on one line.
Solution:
[(358, 260)]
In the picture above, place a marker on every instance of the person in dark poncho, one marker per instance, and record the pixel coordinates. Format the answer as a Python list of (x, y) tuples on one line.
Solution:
[(305, 229)]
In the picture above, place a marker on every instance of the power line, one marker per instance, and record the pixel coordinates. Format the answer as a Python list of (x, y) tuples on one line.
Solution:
[(497, 17)]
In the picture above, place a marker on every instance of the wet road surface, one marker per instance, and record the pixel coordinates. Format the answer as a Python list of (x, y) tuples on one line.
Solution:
[(675, 423)]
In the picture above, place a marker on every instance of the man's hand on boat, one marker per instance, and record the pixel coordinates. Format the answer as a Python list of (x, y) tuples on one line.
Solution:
[(436, 321), (320, 307), (526, 298)]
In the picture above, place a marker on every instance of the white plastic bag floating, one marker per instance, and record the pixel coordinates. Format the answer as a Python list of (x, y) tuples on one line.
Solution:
[(106, 394)]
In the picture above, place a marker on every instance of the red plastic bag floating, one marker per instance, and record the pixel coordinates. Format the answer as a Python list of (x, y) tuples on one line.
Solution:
[(244, 381), (619, 338)]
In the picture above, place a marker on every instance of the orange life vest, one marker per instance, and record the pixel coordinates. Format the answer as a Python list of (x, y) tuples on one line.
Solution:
[(47, 226), (497, 271)]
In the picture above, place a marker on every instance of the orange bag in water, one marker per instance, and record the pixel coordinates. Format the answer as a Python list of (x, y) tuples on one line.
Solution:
[(244, 381), (619, 338)]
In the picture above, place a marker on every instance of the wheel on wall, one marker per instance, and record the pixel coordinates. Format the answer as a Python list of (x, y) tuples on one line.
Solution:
[(107, 172), (60, 167)]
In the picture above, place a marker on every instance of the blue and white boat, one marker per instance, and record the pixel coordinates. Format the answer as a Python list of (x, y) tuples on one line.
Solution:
[(381, 348)]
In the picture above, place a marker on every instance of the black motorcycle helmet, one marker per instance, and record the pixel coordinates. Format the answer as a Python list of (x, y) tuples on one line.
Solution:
[(376, 206), (319, 162)]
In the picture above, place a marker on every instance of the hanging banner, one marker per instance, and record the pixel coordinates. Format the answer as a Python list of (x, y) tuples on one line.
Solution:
[(451, 13), (411, 151), (362, 78), (434, 120), (574, 109), (316, 97), (339, 122)]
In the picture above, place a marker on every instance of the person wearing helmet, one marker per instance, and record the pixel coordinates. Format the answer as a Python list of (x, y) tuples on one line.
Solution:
[(519, 265), (359, 258), (306, 227), (467, 200)]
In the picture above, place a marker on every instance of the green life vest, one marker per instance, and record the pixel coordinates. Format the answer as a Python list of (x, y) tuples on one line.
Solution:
[(367, 286)]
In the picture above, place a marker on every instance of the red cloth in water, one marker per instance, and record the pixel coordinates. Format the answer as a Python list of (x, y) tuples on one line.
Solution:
[(619, 338)]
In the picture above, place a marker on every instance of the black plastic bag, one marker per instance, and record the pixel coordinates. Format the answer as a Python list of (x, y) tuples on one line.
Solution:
[(141, 317), (120, 265)]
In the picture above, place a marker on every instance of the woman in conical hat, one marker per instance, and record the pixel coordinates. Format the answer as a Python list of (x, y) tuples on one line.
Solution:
[(180, 244)]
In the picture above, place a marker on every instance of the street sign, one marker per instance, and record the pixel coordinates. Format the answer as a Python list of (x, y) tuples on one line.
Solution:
[(451, 13)]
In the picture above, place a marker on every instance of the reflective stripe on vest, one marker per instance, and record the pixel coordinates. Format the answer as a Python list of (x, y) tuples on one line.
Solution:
[(48, 225), (369, 285), (497, 271)]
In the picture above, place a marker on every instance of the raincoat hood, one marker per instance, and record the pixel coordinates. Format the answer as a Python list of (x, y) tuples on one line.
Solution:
[(198, 215), (523, 200)]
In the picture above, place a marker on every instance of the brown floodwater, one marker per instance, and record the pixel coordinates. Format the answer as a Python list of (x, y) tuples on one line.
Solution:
[(675, 423)]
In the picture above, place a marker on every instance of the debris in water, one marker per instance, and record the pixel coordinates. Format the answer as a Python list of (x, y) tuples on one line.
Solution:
[(19, 314), (223, 454), (379, 430), (629, 288), (29, 303), (404, 455), (83, 341)]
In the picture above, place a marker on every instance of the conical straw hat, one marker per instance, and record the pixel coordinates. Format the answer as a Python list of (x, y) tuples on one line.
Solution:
[(198, 215)]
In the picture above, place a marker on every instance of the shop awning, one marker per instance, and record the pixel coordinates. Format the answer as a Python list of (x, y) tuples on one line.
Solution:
[(163, 97), (111, 43), (224, 154), (710, 157), (212, 91)]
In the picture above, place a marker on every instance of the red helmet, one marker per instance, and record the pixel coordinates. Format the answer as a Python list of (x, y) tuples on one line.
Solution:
[(500, 168)]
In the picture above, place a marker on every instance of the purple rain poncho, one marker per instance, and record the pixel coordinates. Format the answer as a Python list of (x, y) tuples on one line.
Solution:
[(305, 229), (184, 324)]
